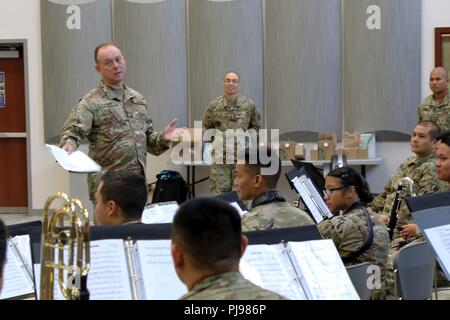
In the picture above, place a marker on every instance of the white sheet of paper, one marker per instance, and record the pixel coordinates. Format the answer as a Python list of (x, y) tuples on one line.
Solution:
[(439, 237), (159, 213), (322, 270), (308, 201), (158, 273), (76, 162), (108, 277), (17, 281), (265, 266)]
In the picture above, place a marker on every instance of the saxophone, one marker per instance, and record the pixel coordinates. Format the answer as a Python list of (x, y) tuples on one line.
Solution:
[(65, 246), (405, 184)]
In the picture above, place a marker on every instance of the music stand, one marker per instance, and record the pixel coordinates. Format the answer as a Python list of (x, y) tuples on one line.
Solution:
[(428, 201)]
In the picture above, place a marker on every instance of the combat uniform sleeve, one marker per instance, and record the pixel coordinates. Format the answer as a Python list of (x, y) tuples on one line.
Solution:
[(429, 181), (328, 231), (208, 120), (78, 125), (156, 143), (255, 121)]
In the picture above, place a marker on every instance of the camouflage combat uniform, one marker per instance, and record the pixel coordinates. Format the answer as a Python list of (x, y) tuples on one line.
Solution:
[(229, 286), (429, 110), (119, 130), (222, 116), (275, 215), (349, 233), (423, 172)]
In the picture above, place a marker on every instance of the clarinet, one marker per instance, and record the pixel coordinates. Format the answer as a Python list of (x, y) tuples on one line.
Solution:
[(399, 197)]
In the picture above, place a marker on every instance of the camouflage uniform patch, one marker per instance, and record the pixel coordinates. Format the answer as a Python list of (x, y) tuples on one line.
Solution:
[(349, 233), (275, 215), (229, 286), (119, 130), (219, 115), (429, 110)]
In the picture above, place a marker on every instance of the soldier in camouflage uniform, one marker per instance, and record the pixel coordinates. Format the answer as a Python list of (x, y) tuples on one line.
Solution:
[(443, 173), (421, 169), (207, 244), (115, 120), (436, 107), (231, 111), (358, 235), (269, 210)]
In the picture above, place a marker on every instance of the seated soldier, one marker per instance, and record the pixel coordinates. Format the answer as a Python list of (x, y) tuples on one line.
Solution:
[(422, 171), (269, 210), (3, 237), (120, 198), (359, 236), (443, 158), (207, 245)]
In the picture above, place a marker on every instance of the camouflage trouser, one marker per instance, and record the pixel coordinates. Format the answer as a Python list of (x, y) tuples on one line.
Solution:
[(221, 178)]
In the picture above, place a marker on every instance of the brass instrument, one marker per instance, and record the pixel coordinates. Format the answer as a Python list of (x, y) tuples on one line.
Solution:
[(65, 246), (405, 184)]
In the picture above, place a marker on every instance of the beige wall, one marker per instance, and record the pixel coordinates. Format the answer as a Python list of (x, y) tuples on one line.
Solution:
[(21, 20)]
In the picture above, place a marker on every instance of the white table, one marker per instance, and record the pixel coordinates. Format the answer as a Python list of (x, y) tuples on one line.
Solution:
[(190, 167)]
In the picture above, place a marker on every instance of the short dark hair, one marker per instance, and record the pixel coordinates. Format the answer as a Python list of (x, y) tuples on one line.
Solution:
[(128, 189), (209, 230), (100, 46), (231, 71), (255, 153), (350, 177), (3, 240), (433, 128), (444, 137)]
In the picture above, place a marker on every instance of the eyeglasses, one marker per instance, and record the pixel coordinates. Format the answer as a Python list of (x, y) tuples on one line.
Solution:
[(329, 192)]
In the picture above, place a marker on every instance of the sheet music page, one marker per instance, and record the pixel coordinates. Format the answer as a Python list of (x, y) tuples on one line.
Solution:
[(160, 279), (108, 277), (17, 281), (301, 189), (76, 162), (57, 294), (265, 266), (439, 238), (322, 270), (160, 213)]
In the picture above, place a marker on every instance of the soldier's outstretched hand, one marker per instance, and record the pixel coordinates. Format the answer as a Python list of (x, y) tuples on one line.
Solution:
[(170, 129)]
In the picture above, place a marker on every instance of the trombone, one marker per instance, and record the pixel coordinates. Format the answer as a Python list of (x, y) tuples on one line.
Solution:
[(65, 246)]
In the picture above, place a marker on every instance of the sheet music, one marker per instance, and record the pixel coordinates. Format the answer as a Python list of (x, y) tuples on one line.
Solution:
[(322, 270), (108, 277), (307, 198), (160, 279), (439, 237), (17, 280), (160, 213), (264, 266), (57, 294), (75, 162)]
